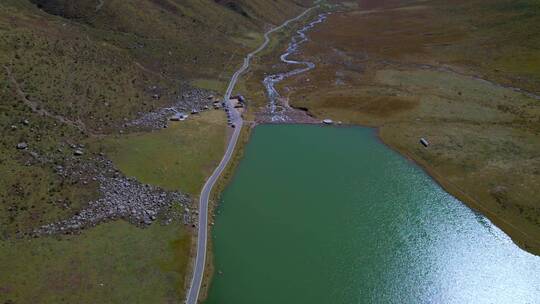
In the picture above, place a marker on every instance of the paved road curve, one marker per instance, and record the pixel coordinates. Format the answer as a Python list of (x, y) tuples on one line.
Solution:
[(200, 260)]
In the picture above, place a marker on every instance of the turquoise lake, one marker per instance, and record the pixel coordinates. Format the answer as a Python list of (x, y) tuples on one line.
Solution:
[(331, 215)]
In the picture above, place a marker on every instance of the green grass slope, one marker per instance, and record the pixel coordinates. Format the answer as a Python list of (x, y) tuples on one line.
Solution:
[(71, 73), (112, 263)]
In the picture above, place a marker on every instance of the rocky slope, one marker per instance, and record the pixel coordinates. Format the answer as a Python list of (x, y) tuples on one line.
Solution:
[(78, 70)]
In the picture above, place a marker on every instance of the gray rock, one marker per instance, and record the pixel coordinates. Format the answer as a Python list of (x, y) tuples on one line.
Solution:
[(22, 146), (78, 152)]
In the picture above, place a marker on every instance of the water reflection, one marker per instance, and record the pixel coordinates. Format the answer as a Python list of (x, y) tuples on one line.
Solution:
[(330, 215)]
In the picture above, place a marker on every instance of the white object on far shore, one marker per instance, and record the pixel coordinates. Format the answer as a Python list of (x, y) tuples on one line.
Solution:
[(328, 121)]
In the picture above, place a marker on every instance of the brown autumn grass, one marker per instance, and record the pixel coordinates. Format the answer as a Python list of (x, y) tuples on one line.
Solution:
[(431, 70)]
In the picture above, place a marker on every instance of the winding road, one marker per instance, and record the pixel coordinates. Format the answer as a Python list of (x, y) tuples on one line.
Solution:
[(236, 120)]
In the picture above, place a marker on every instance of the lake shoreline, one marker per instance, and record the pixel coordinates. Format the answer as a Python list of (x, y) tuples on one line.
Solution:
[(465, 198), (215, 197)]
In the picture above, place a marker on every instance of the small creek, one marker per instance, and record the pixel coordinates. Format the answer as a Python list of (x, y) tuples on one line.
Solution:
[(271, 80)]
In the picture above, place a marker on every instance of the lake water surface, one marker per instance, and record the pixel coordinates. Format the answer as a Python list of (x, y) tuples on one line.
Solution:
[(330, 215)]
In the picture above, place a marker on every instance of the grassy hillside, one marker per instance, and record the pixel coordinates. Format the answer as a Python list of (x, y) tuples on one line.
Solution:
[(104, 64), (113, 263), (73, 73), (81, 69)]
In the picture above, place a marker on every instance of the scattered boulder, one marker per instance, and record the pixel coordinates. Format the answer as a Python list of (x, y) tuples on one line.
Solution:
[(121, 197), (22, 146), (192, 99), (78, 152)]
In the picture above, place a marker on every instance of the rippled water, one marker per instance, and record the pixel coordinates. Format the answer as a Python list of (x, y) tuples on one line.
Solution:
[(271, 80), (330, 215)]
